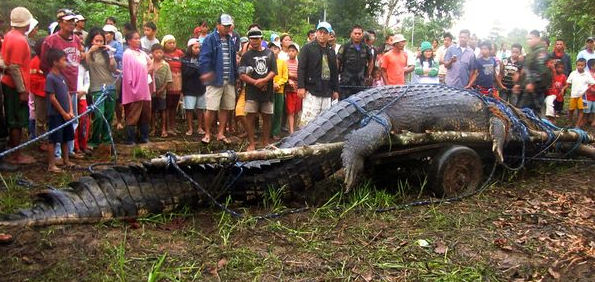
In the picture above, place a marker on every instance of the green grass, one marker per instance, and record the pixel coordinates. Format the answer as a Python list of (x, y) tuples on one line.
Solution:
[(12, 195)]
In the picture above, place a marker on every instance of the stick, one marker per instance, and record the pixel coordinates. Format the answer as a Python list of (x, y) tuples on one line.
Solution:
[(230, 157), (404, 139)]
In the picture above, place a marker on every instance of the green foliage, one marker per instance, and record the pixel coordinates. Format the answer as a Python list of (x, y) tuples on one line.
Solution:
[(423, 30), (280, 15), (342, 17), (45, 11), (444, 10), (570, 20), (180, 17)]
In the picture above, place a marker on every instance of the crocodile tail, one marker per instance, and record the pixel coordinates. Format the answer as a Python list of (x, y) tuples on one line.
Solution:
[(115, 193)]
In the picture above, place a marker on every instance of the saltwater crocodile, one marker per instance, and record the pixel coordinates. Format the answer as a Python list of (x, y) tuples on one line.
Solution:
[(131, 191)]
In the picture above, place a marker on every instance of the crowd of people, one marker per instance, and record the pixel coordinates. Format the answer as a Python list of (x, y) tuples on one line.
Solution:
[(226, 80)]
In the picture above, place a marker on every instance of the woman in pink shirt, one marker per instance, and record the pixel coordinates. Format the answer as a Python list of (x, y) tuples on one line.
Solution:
[(136, 96)]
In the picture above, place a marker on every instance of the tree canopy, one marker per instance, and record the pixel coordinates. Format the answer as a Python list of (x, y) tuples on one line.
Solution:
[(571, 20)]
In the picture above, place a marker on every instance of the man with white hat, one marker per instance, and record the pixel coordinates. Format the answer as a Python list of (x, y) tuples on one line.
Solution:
[(395, 63), (15, 84), (80, 27), (218, 68), (318, 76), (66, 41), (31, 33)]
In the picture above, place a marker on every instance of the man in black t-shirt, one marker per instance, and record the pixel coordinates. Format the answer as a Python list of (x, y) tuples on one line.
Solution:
[(258, 67)]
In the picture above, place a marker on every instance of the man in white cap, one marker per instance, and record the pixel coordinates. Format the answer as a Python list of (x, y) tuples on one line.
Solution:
[(395, 63), (80, 27), (66, 41), (15, 84), (31, 33), (318, 76), (218, 68)]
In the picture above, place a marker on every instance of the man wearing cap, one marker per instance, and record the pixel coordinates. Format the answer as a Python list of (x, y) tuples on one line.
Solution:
[(218, 68), (356, 62), (395, 63), (259, 86), (66, 41), (15, 84), (318, 76), (116, 46), (31, 33), (459, 62), (80, 27), (588, 53)]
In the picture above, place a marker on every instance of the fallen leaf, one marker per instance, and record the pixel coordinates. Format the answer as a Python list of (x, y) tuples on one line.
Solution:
[(553, 273), (422, 243), (441, 248), (27, 260), (222, 263)]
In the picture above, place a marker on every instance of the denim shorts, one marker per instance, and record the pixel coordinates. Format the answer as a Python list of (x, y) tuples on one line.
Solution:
[(195, 102)]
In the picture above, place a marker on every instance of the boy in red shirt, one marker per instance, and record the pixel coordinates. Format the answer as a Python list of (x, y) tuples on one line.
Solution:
[(589, 110), (555, 91)]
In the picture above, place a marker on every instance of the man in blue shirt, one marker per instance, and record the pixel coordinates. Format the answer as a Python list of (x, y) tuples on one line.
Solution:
[(459, 62), (217, 65)]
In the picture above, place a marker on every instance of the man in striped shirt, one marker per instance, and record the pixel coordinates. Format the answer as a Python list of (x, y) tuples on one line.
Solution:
[(218, 66)]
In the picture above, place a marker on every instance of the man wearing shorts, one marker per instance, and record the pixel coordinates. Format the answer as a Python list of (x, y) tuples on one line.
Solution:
[(259, 86), (15, 84), (318, 78), (217, 65)]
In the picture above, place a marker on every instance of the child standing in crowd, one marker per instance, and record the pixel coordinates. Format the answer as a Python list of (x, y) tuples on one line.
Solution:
[(59, 108), (580, 80), (555, 90), (509, 72), (590, 95), (162, 78), (377, 77), (173, 56), (426, 67), (293, 103), (279, 82), (485, 75), (37, 81), (193, 89)]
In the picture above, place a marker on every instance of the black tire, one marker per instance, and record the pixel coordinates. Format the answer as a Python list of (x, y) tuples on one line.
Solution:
[(455, 171)]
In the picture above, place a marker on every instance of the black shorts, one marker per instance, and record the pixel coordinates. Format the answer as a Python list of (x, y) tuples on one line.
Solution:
[(63, 135), (158, 104)]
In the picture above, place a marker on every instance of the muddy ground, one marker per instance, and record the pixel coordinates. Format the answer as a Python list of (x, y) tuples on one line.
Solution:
[(534, 225)]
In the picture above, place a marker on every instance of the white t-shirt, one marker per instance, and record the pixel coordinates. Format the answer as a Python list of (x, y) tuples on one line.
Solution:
[(587, 56), (580, 83), (146, 44), (440, 57)]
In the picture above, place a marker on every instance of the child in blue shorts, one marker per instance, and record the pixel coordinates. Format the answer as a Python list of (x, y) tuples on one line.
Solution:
[(59, 107)]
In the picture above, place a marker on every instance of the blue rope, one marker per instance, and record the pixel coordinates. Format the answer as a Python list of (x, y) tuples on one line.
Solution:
[(375, 115)]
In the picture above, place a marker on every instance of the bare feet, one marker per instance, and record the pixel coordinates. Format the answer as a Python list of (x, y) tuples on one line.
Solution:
[(55, 169)]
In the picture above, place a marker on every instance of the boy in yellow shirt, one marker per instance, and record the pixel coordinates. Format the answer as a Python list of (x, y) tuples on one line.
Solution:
[(279, 87)]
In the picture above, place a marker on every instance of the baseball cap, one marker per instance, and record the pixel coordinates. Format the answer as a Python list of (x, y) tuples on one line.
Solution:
[(80, 18), (110, 28), (273, 43), (243, 39), (294, 45), (255, 33), (225, 19), (20, 17), (192, 41), (590, 38), (324, 25), (398, 38), (65, 15), (274, 36)]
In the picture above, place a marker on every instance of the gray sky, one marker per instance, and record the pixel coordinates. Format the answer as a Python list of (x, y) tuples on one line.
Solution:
[(480, 16)]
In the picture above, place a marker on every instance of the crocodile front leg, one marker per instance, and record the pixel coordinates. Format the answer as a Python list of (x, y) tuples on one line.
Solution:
[(360, 144)]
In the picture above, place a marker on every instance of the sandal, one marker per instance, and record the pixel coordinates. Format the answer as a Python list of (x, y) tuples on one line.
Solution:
[(55, 170), (164, 135), (201, 132), (189, 133), (206, 140), (224, 140)]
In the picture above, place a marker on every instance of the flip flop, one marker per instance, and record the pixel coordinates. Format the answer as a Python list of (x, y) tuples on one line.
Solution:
[(224, 140), (164, 135), (205, 140), (55, 170), (188, 133)]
